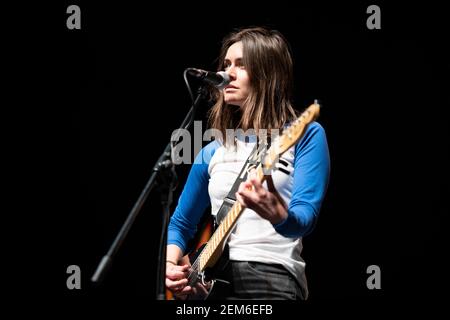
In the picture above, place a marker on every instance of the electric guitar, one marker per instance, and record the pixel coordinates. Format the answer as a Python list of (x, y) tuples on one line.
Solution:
[(205, 261)]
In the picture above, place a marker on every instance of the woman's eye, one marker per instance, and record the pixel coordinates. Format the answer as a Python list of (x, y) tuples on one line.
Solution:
[(227, 66)]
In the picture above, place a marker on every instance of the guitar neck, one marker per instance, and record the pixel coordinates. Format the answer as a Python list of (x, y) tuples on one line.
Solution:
[(214, 248)]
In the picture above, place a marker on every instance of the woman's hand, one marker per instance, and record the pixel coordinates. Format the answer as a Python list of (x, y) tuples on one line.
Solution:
[(176, 280), (267, 203)]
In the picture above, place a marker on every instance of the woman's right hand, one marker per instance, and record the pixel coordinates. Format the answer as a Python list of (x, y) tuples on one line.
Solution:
[(176, 280)]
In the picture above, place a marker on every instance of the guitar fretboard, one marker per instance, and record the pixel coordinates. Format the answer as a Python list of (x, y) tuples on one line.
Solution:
[(214, 248)]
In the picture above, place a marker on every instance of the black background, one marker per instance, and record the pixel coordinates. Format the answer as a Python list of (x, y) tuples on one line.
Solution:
[(120, 91)]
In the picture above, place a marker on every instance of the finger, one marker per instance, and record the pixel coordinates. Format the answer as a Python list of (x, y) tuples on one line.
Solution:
[(257, 185), (240, 199), (182, 268), (175, 273), (176, 285), (255, 182), (248, 198), (183, 292), (186, 290), (185, 267), (246, 185)]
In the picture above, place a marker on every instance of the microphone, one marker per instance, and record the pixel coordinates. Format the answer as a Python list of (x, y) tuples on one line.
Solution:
[(218, 79)]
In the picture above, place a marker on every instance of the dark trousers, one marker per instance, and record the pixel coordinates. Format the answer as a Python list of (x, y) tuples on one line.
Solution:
[(255, 280)]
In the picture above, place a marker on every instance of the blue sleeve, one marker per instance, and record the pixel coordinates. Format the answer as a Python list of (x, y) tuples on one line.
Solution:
[(193, 201), (311, 175)]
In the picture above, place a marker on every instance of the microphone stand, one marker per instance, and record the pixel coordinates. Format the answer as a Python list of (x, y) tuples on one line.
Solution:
[(164, 169)]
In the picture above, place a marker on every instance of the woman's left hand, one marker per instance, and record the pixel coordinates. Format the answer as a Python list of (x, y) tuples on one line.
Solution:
[(267, 203)]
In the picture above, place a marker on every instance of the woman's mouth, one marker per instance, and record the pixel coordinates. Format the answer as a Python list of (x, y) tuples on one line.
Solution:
[(230, 88)]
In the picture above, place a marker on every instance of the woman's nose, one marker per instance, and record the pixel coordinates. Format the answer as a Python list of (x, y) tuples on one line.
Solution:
[(231, 72)]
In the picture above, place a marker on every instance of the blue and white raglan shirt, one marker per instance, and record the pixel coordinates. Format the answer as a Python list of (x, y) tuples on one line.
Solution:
[(301, 178)]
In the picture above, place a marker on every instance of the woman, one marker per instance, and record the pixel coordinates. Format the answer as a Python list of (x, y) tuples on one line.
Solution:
[(265, 246)]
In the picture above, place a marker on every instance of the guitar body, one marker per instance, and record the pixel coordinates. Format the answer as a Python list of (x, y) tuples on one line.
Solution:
[(212, 285)]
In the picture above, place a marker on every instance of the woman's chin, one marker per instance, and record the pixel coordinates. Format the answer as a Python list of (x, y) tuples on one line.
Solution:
[(233, 103)]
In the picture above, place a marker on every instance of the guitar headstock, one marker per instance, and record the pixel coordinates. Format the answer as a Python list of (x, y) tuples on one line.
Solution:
[(291, 134), (296, 130)]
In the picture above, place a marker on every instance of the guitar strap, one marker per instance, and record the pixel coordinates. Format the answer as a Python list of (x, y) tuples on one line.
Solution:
[(252, 162), (219, 273)]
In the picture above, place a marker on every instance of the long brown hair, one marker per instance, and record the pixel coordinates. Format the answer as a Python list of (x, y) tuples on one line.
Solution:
[(268, 61)]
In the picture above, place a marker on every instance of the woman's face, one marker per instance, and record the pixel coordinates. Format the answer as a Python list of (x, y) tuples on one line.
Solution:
[(238, 90)]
